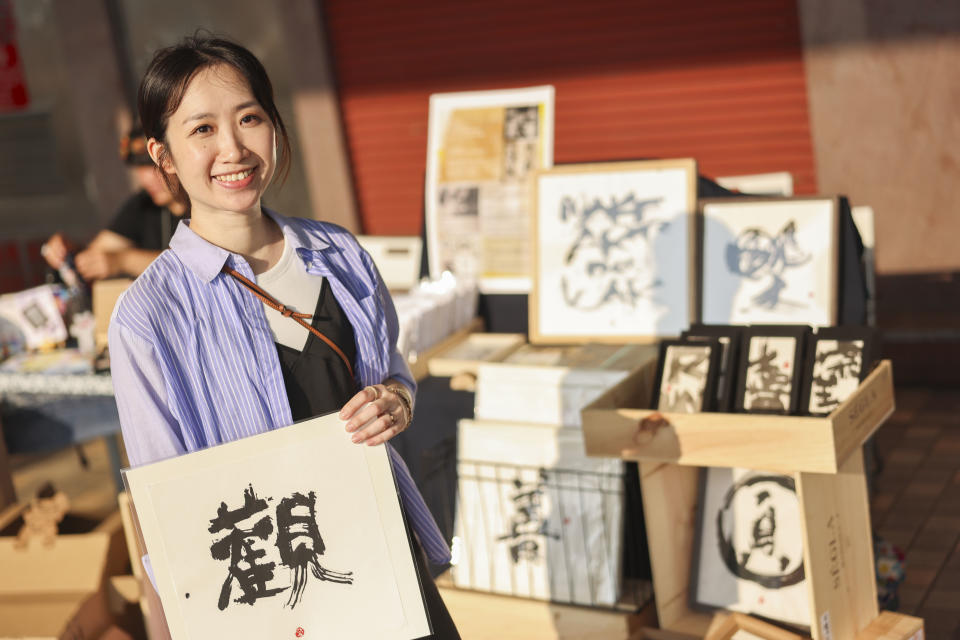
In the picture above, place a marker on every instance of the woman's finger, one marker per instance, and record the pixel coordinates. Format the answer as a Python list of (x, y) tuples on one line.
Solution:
[(384, 435), (374, 428), (362, 397), (365, 415)]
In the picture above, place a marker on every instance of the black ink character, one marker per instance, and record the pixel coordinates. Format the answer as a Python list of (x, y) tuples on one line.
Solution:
[(528, 525), (768, 387), (756, 255), (520, 123), (751, 544), (684, 380), (611, 258), (836, 373), (237, 546), (300, 544)]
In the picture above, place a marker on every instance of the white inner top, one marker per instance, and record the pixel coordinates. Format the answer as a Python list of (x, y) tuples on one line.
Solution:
[(290, 285)]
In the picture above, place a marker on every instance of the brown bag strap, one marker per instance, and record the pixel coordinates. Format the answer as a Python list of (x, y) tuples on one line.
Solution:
[(271, 302)]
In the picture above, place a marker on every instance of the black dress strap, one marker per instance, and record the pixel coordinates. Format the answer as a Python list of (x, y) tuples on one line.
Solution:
[(317, 383)]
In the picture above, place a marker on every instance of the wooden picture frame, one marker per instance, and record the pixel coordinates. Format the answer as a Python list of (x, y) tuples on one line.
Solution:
[(726, 626), (768, 260), (742, 514), (771, 367), (837, 361), (613, 252), (691, 384), (730, 338)]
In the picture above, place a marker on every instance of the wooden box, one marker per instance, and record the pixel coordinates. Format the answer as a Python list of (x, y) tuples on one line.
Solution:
[(822, 454), (550, 385), (56, 591), (466, 356)]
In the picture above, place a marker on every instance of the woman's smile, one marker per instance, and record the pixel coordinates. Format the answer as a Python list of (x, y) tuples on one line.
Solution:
[(237, 179)]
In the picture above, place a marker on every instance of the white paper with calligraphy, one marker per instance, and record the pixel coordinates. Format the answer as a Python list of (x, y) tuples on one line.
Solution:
[(749, 548), (770, 261), (613, 251), (292, 533), (536, 518)]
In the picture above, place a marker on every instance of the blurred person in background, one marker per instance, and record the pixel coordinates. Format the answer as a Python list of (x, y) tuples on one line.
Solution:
[(141, 229)]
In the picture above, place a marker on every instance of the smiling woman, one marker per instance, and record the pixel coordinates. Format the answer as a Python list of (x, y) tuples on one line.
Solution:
[(251, 320)]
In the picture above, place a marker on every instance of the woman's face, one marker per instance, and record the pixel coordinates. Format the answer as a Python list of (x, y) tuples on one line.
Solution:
[(221, 144)]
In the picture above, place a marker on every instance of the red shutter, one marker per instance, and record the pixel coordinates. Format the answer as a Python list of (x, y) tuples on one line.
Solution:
[(722, 82)]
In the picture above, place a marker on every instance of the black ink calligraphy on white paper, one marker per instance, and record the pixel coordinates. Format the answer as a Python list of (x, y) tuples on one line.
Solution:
[(684, 380), (528, 524), (752, 545), (759, 255), (769, 381), (246, 549), (610, 259), (836, 373)]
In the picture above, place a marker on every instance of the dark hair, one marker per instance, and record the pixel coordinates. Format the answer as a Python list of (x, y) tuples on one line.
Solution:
[(170, 72)]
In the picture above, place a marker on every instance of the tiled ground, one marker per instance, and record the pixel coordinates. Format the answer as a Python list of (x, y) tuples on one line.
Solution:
[(916, 503)]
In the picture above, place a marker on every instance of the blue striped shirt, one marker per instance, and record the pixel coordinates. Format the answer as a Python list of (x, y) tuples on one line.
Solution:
[(193, 359)]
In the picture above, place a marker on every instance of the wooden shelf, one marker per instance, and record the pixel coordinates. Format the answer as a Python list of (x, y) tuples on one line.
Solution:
[(786, 444)]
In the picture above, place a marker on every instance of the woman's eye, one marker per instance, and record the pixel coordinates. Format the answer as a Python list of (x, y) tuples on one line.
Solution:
[(250, 118), (204, 128)]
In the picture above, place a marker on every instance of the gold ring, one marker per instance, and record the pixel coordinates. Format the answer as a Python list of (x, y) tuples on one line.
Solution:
[(376, 392), (393, 420)]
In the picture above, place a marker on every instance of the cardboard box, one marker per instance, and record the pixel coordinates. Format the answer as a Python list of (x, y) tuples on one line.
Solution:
[(105, 294), (58, 591), (550, 385)]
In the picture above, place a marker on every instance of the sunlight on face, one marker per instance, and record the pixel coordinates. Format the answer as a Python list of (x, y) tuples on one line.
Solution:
[(222, 145)]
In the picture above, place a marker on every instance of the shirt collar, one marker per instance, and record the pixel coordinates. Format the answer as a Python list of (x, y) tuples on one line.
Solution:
[(206, 259)]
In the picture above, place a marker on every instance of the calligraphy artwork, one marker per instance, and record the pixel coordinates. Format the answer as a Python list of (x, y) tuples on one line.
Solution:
[(483, 149), (535, 517), (729, 337), (770, 368), (293, 528), (613, 251), (749, 549), (837, 361), (769, 261), (686, 376)]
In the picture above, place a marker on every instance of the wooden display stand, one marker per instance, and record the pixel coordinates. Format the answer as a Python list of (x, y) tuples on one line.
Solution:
[(823, 455)]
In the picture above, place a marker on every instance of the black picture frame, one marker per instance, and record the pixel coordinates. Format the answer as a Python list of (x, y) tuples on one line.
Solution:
[(842, 334), (730, 338), (774, 401), (708, 391)]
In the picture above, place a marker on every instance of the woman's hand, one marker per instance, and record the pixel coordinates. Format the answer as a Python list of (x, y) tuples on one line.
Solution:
[(375, 415)]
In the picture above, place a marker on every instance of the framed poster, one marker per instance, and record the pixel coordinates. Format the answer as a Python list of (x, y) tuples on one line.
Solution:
[(535, 517), (483, 150), (771, 364), (613, 252), (687, 374), (289, 533), (748, 546), (769, 261), (838, 359)]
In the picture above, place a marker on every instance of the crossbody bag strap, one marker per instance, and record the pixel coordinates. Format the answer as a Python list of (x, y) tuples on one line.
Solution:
[(271, 302)]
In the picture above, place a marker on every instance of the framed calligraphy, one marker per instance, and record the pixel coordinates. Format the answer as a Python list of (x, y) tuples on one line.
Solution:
[(686, 379), (613, 252), (838, 359), (771, 364), (730, 338), (769, 261)]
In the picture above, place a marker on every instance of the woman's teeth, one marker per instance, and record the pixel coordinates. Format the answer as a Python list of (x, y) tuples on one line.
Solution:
[(233, 177)]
